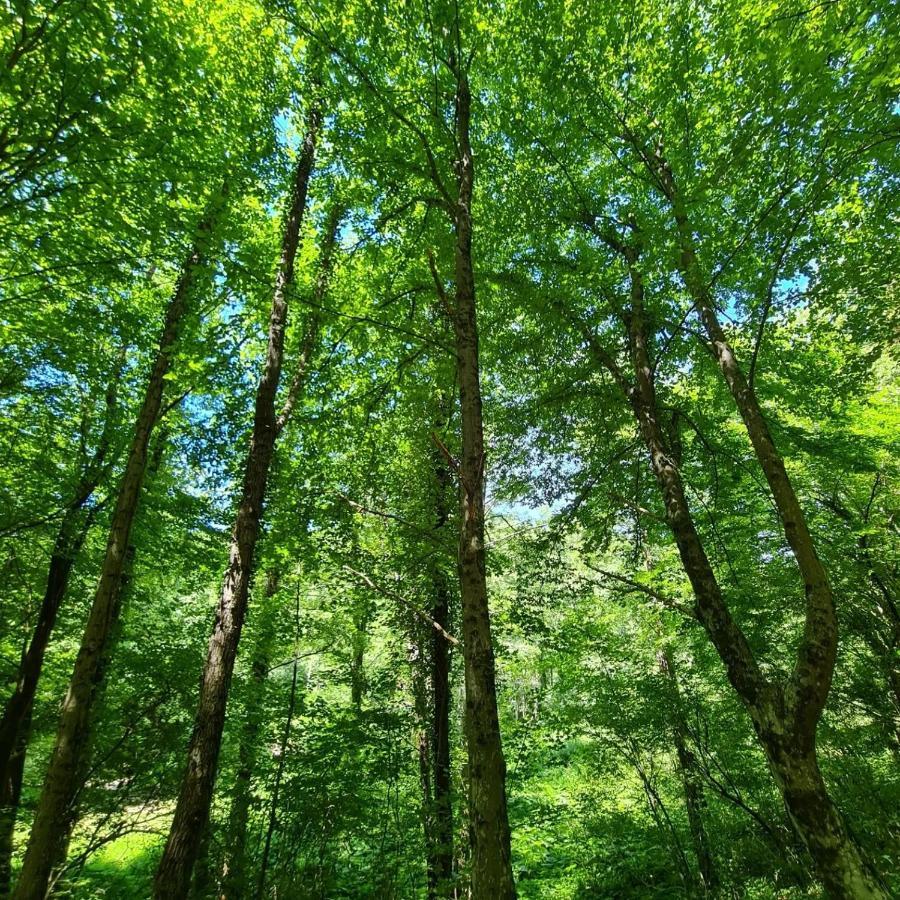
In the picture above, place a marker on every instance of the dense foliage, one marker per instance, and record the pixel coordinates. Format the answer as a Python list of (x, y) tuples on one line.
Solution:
[(396, 313)]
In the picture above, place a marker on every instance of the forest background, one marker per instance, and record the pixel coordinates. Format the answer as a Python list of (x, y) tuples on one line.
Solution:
[(529, 369)]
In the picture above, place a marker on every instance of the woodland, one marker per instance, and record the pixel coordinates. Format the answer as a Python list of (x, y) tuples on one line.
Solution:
[(449, 449)]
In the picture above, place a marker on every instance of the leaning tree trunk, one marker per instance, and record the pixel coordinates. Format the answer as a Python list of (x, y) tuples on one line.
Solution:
[(192, 809), (783, 732), (15, 724), (53, 817), (790, 737), (492, 877)]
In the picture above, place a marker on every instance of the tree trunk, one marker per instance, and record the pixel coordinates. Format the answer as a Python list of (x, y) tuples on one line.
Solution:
[(282, 758), (10, 794), (440, 698), (69, 541), (784, 733), (810, 680), (418, 662), (841, 864), (53, 816), (492, 877), (838, 858), (234, 880), (192, 810), (691, 780)]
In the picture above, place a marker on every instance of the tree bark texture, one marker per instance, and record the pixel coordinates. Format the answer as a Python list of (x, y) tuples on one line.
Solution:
[(492, 877), (53, 816), (195, 797), (782, 730)]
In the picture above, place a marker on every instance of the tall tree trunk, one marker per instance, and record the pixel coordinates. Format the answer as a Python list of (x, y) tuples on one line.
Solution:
[(69, 541), (430, 662), (53, 816), (440, 698), (234, 880), (16, 724), (791, 739), (10, 794), (691, 779), (282, 758), (418, 662), (492, 877), (192, 810), (786, 739)]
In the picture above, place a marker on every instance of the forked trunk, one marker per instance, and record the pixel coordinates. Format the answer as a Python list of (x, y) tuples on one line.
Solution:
[(785, 731)]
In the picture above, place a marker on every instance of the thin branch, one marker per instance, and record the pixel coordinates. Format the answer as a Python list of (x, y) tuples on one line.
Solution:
[(394, 596)]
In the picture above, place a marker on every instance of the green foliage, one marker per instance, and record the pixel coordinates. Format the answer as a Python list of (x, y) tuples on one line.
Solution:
[(120, 122)]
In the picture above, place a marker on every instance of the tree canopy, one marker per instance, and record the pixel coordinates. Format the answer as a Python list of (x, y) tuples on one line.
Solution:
[(449, 449)]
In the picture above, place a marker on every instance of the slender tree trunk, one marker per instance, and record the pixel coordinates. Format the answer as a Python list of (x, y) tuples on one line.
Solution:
[(359, 641), (192, 810), (52, 821), (440, 698), (234, 881), (430, 663), (10, 794), (15, 726), (492, 877), (691, 779), (279, 772), (418, 662), (787, 736), (69, 541)]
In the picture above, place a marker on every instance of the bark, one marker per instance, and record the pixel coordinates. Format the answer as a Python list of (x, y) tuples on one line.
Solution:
[(279, 772), (790, 740), (691, 779), (418, 662), (53, 817), (783, 731), (69, 541), (430, 661), (440, 697), (492, 877), (10, 795), (440, 748), (192, 809), (810, 680), (431, 700), (234, 881)]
